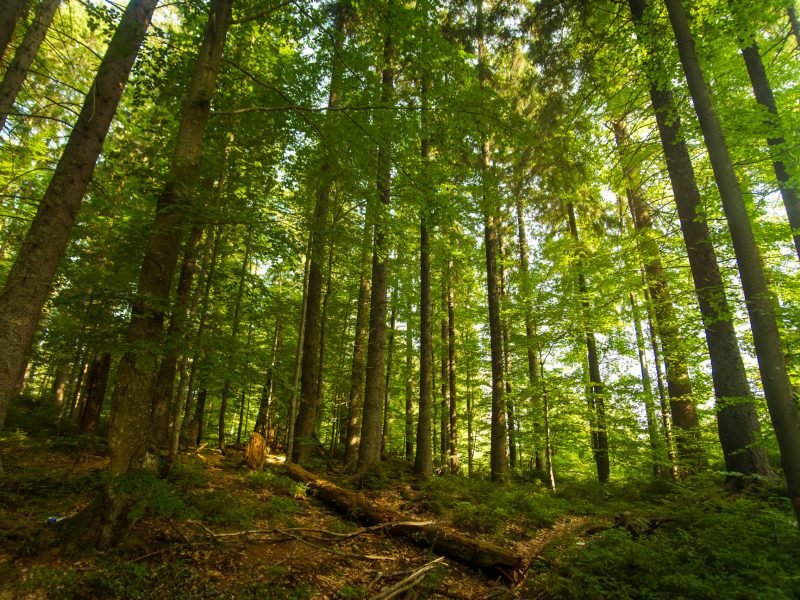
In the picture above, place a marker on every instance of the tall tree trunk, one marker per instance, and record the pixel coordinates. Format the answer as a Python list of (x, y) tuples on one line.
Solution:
[(96, 383), (237, 320), (130, 436), (387, 392), (510, 415), (596, 389), (498, 451), (548, 448), (423, 460), (444, 388), (772, 365), (530, 337), (266, 390), (794, 24), (369, 450), (409, 405), (29, 282), (451, 368), (309, 377), (736, 415), (298, 361), (762, 90), (355, 395), (17, 71), (199, 416), (470, 406), (11, 12), (679, 386)]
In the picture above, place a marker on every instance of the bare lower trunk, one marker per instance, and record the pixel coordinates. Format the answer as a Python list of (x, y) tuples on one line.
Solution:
[(96, 383)]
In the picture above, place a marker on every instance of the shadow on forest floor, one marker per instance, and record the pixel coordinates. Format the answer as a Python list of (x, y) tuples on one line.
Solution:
[(220, 530)]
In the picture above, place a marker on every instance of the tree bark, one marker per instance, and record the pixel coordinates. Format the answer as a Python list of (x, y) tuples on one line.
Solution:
[(96, 382), (498, 450), (266, 390), (30, 280), (596, 389), (11, 11), (387, 391), (17, 71), (409, 405), (451, 369), (298, 361), (237, 320), (772, 365), (423, 460), (369, 450), (309, 378), (510, 413)]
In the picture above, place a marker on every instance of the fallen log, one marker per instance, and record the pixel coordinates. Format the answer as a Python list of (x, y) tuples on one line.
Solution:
[(473, 552)]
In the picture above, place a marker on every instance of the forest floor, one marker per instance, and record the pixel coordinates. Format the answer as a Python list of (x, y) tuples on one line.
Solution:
[(217, 529)]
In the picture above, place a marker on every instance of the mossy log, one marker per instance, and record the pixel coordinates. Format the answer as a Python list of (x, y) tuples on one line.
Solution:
[(471, 551)]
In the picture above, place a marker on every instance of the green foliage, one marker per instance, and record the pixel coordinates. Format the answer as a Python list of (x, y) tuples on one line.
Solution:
[(692, 542), (149, 493)]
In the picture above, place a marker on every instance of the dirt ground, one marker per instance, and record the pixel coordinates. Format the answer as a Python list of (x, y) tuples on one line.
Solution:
[(248, 535)]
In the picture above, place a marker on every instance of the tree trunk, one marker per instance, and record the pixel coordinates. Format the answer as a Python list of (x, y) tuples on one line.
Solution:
[(451, 368), (444, 388), (736, 414), (11, 11), (498, 454), (17, 71), (199, 416), (596, 389), (237, 320), (530, 337), (510, 415), (423, 460), (96, 382), (369, 450), (266, 391), (684, 415), (298, 361), (355, 395), (387, 392), (474, 552), (772, 365), (764, 96), (29, 282), (409, 406), (309, 378)]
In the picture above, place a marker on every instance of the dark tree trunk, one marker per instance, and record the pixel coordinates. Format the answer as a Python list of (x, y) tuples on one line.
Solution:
[(596, 389), (29, 282), (762, 90), (369, 450), (266, 391), (96, 383), (387, 392), (409, 406), (355, 395), (510, 415), (772, 364), (736, 415), (17, 71), (423, 460), (199, 416), (451, 368), (298, 361), (310, 369), (11, 11), (237, 321)]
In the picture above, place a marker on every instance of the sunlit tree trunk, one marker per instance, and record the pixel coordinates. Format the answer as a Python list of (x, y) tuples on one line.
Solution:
[(267, 389), (387, 393), (409, 405), (510, 414), (451, 368), (423, 460), (772, 364)]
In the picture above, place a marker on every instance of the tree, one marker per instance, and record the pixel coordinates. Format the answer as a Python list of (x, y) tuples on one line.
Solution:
[(17, 71), (772, 365), (29, 283)]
